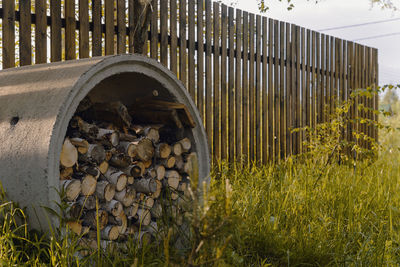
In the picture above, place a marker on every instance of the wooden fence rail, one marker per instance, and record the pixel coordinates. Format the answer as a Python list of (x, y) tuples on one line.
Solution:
[(252, 78)]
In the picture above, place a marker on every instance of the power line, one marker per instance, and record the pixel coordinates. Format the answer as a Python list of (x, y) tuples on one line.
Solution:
[(358, 25), (378, 36)]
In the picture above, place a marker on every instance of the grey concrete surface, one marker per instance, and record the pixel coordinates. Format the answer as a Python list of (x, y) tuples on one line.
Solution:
[(37, 102)]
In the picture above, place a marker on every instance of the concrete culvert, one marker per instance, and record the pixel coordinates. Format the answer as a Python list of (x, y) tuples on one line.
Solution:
[(42, 112)]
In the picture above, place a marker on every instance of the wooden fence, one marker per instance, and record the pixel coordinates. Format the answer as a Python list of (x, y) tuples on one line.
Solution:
[(252, 78)]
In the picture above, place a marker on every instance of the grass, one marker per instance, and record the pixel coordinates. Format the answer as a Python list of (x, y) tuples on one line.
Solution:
[(301, 212)]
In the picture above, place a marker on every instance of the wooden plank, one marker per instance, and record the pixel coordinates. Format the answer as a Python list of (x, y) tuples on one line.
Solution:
[(245, 87), (306, 86), (318, 86), (323, 78), (209, 75), (332, 92), (191, 53), (264, 90), (154, 31), (303, 86), (41, 31), (356, 87), (96, 34), (121, 26), (200, 58), (271, 90), (363, 98), (217, 92), (350, 87), (276, 91), (25, 43), (164, 32), (369, 87), (231, 84), (109, 35), (376, 98), (258, 88), (238, 86), (8, 34), (293, 89), (252, 91), (282, 111), (224, 89), (313, 79), (337, 71), (173, 19), (83, 29), (131, 25), (298, 89), (182, 41), (288, 95)]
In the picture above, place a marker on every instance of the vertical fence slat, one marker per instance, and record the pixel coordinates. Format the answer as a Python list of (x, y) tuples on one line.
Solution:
[(264, 89), (131, 25), (96, 34), (303, 85), (252, 93), (288, 95), (154, 31), (109, 36), (282, 111), (164, 32), (25, 46), (298, 89), (84, 29), (276, 90), (238, 85), (8, 34), (350, 82), (323, 78), (173, 64), (231, 84), (270, 90), (182, 42), (332, 77), (245, 87), (258, 88), (121, 26), (191, 54), (307, 84), (363, 98), (224, 92), (41, 33), (369, 99), (200, 58), (293, 89), (376, 98), (313, 79), (318, 86), (217, 98), (356, 87), (208, 74)]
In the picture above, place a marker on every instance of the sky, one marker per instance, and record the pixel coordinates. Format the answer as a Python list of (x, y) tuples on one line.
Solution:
[(336, 13)]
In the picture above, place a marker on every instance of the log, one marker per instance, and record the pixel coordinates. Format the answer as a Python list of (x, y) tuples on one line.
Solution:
[(177, 149), (156, 210), (110, 232), (90, 219), (88, 185), (152, 134), (132, 210), (116, 177), (114, 207), (147, 202), (139, 130), (81, 144), (182, 187), (157, 193), (151, 173), (145, 185), (105, 190), (120, 161), (103, 167), (69, 154), (84, 105), (109, 136), (174, 195), (147, 164), (88, 202), (123, 222), (66, 173), (90, 169), (135, 170), (131, 180), (76, 227), (144, 217), (145, 149), (142, 237), (186, 144), (74, 211), (84, 127), (160, 170), (169, 162), (126, 196), (72, 189), (163, 150), (96, 153), (127, 137), (179, 163)]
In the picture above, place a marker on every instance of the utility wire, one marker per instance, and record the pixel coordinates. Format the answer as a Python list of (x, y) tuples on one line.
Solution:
[(358, 25), (378, 36)]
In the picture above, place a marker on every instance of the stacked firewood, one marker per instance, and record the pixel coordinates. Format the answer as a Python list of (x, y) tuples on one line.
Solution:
[(131, 171)]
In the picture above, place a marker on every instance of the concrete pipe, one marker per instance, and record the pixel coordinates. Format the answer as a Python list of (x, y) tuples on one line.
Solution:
[(37, 103)]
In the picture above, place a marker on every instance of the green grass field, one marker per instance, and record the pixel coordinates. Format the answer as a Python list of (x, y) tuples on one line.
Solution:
[(301, 212)]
